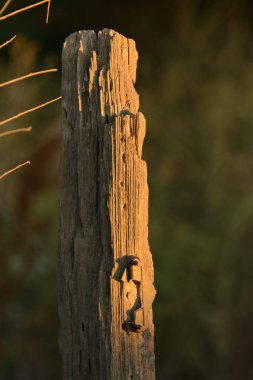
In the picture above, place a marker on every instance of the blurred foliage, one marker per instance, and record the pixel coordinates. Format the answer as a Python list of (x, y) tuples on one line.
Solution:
[(28, 296), (195, 79)]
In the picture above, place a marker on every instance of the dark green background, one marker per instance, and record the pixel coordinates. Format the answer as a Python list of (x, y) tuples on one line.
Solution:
[(195, 80)]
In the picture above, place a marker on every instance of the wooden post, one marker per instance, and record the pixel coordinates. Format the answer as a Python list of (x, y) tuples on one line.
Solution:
[(105, 265)]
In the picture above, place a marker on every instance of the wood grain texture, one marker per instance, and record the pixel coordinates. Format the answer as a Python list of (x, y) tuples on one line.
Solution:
[(103, 213)]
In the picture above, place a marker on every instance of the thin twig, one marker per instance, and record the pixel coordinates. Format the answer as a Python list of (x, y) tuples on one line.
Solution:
[(48, 10), (23, 9), (28, 111), (27, 76), (5, 6), (14, 169), (14, 131), (7, 42)]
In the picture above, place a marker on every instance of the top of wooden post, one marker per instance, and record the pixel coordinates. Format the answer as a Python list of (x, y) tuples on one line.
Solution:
[(117, 55)]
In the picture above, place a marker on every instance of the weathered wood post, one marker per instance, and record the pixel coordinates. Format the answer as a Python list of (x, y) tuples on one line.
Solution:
[(105, 265)]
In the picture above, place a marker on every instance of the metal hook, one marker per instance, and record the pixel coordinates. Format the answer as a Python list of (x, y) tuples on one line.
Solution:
[(144, 295)]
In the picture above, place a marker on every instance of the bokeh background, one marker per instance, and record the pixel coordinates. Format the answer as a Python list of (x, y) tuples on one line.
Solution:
[(195, 80)]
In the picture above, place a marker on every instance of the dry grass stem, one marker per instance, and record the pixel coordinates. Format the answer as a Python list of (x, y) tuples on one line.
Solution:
[(28, 111), (25, 9), (48, 10), (28, 129), (7, 42), (14, 169), (14, 131), (5, 6), (27, 76)]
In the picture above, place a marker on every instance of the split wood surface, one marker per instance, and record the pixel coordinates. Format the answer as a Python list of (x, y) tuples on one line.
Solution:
[(103, 214)]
